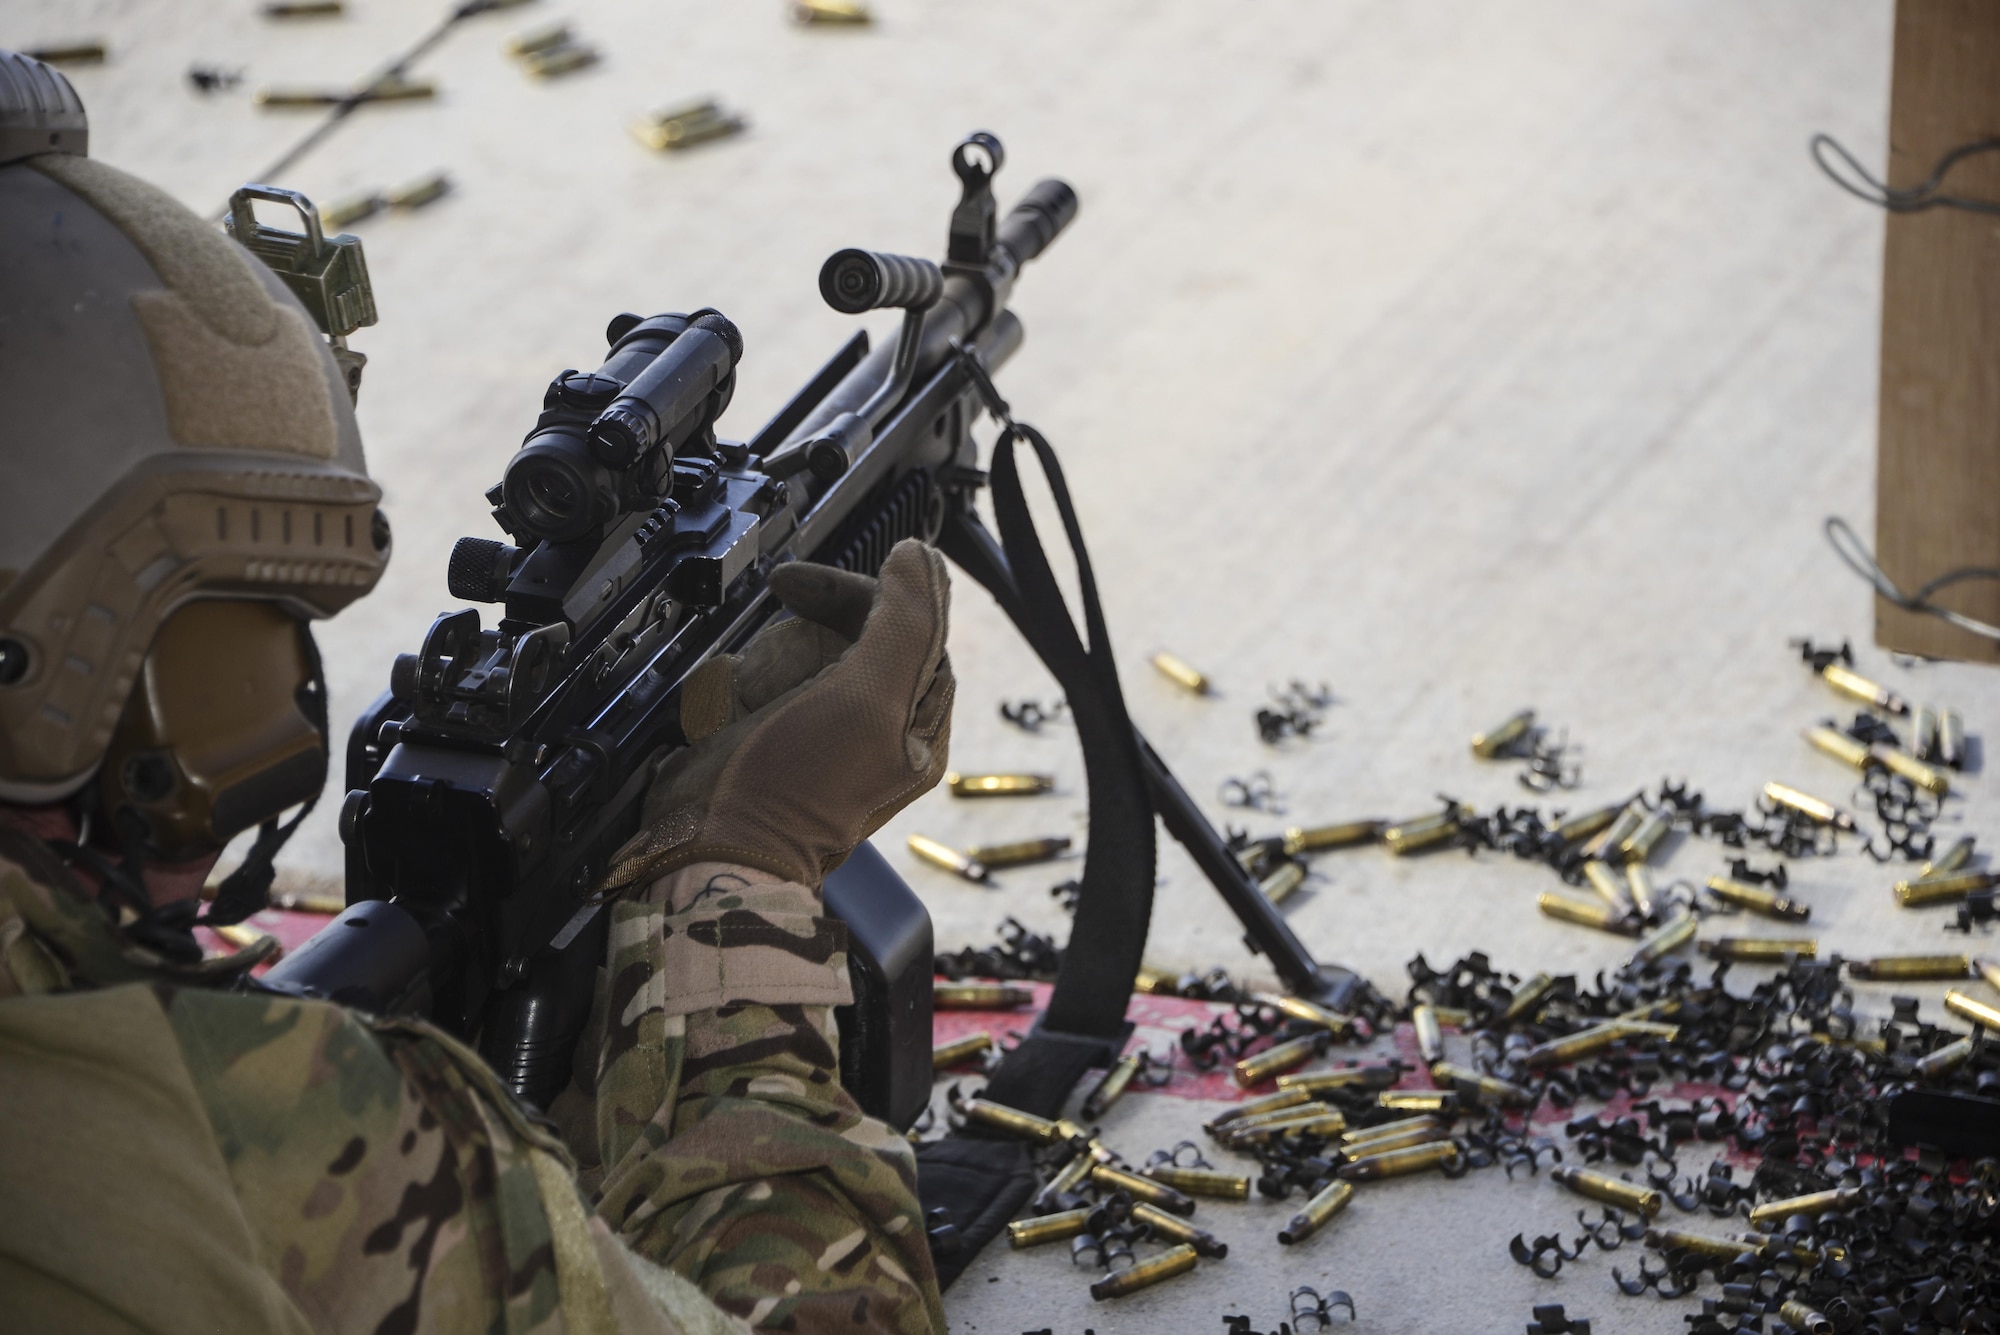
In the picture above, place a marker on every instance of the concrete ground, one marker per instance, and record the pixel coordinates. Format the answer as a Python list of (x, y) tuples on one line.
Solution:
[(1461, 356)]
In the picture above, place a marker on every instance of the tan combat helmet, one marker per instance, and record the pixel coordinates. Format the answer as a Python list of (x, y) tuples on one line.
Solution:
[(181, 487)]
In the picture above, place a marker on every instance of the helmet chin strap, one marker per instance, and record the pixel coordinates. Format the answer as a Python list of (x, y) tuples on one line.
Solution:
[(248, 889)]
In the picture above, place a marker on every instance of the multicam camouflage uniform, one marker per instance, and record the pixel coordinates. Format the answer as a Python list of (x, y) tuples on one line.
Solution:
[(286, 1165)]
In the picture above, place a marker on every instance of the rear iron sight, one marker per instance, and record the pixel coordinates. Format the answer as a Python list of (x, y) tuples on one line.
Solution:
[(606, 439)]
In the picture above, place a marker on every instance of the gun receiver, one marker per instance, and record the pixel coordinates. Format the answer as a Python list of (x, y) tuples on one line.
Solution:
[(493, 781)]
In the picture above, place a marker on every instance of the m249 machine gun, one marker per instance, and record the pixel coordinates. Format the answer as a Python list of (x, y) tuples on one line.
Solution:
[(491, 784)]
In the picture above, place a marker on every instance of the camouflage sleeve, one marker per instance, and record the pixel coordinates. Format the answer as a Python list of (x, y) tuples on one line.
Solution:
[(723, 1145)]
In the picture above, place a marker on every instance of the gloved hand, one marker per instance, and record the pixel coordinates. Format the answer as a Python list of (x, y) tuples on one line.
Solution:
[(806, 743)]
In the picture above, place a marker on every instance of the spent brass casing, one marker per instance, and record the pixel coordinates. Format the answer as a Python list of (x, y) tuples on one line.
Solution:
[(1298, 1008), (1489, 744), (1106, 1093), (1817, 1203), (1488, 1089), (687, 125), (1172, 1229), (1156, 982), (1700, 1244), (947, 1055), (1592, 912), (1157, 1194), (1951, 738), (1021, 852), (330, 905), (1430, 1034), (1611, 1190), (1652, 1010), (1987, 968), (1180, 674), (1773, 1245), (1318, 838), (999, 785), (1453, 1017), (980, 996), (1835, 743), (1639, 845), (398, 90), (1911, 968), (1282, 1101), (1812, 808), (424, 190), (1068, 1178), (1274, 1061), (1639, 886), (537, 40), (1609, 887), (1048, 1228), (1354, 1140), (946, 857), (1013, 1121), (1280, 884), (1857, 687), (1379, 1076), (830, 11), (1945, 1060), (1759, 949), (1401, 1140), (243, 936), (1621, 828), (1804, 1318), (1427, 1101), (1329, 1201), (1528, 998), (1968, 1007), (1411, 836), (1924, 733), (1929, 779), (1401, 1163), (1758, 899), (1954, 858), (1635, 1024), (303, 9), (1175, 1261), (1588, 823), (346, 212), (1236, 1126), (1947, 889), (1210, 1182), (1663, 941), (1582, 1043), (1324, 1124), (561, 60), (69, 53)]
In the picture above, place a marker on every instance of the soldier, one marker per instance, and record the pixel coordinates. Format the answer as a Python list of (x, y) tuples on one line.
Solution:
[(184, 490)]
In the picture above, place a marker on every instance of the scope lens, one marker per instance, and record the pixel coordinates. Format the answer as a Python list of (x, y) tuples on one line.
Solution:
[(555, 490)]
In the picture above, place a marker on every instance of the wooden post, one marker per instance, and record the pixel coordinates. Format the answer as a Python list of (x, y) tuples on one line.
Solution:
[(1938, 460)]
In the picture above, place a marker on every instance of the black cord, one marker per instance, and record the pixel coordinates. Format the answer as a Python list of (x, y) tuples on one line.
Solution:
[(1916, 198), (1848, 546)]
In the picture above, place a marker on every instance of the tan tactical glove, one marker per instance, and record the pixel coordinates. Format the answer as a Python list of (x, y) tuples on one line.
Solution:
[(809, 740)]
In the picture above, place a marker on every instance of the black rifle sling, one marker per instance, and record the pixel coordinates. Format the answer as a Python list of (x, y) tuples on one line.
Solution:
[(1115, 906)]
